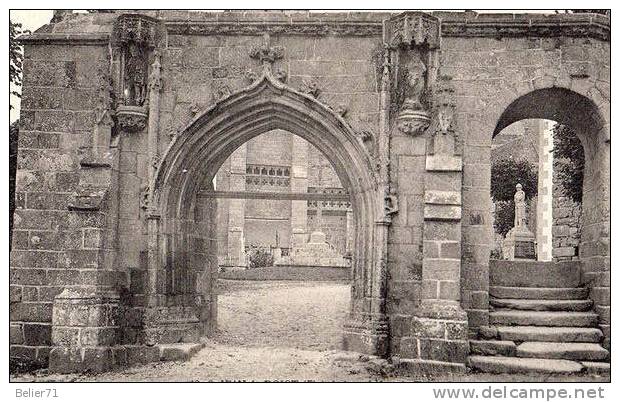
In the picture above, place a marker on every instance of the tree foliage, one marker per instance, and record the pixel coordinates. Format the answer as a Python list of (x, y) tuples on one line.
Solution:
[(507, 173), (259, 257), (569, 160), (13, 137), (504, 216), (16, 58)]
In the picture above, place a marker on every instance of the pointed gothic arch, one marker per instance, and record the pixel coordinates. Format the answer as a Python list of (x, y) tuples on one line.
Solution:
[(193, 158)]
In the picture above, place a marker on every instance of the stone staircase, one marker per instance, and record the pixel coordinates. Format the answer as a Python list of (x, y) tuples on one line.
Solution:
[(540, 320)]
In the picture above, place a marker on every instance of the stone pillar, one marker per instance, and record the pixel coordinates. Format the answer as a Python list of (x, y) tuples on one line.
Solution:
[(350, 232), (236, 209), (440, 323), (84, 331), (299, 184), (544, 218)]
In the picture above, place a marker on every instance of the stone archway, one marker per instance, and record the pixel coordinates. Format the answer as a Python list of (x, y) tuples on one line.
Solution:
[(179, 236), (589, 119)]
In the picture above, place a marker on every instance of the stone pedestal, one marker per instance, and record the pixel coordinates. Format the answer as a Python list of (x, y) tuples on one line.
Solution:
[(367, 337), (236, 248), (84, 331), (317, 252), (520, 244)]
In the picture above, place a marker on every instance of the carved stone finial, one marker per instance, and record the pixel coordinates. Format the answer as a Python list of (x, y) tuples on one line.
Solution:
[(266, 53), (391, 204), (251, 76), (155, 73), (220, 91), (280, 75), (385, 74), (311, 88)]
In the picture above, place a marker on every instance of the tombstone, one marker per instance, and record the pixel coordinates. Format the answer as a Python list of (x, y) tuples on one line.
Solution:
[(520, 242)]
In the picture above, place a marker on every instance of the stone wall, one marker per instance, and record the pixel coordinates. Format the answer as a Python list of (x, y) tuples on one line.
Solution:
[(54, 247), (566, 229)]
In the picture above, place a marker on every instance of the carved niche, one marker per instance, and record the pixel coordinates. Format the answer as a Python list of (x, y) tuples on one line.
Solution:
[(412, 38), (135, 37)]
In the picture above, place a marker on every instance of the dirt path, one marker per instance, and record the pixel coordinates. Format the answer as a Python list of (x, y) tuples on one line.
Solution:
[(282, 314)]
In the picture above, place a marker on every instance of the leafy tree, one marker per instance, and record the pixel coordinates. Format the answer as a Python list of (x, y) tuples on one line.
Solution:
[(569, 160), (16, 59), (13, 136), (505, 175)]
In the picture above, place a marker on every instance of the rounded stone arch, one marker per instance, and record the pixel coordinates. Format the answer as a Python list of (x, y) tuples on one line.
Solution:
[(196, 154), (589, 117), (562, 105)]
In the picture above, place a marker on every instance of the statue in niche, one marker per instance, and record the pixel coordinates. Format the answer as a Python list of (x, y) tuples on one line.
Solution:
[(135, 75), (416, 79)]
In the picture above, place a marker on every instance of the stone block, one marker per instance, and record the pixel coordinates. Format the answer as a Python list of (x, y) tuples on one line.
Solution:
[(65, 336), (493, 348), (444, 350), (16, 334), (427, 328), (37, 334), (408, 348), (437, 197), (442, 269), (141, 354), (449, 290), (442, 212), (444, 163)]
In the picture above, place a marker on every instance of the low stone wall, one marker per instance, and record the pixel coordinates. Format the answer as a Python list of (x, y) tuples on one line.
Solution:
[(566, 228)]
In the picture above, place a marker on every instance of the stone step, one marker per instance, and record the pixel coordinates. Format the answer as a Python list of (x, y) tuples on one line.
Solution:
[(510, 365), (492, 348), (505, 292), (569, 351), (597, 367), (535, 274), (549, 334), (178, 351), (542, 305), (543, 318)]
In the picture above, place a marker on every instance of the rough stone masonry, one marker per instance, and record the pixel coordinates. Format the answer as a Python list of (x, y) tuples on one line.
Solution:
[(125, 118)]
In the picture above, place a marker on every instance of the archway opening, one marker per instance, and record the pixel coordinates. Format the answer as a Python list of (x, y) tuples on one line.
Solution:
[(547, 159), (285, 229), (577, 116)]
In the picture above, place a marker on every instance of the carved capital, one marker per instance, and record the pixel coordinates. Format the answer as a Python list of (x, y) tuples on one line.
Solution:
[(87, 199), (412, 29), (132, 119), (411, 121)]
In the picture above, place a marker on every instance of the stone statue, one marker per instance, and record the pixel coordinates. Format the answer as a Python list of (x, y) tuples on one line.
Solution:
[(417, 82), (135, 76), (519, 243), (520, 217)]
